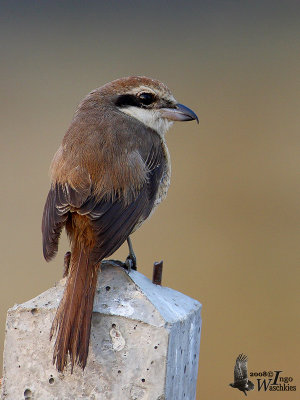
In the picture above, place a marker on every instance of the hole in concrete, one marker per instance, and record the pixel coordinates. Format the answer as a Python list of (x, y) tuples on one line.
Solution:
[(143, 380), (119, 372), (27, 394), (107, 288), (51, 381), (155, 347), (33, 311)]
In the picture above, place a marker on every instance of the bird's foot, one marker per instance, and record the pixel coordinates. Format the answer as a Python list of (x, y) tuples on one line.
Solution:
[(130, 263), (114, 263)]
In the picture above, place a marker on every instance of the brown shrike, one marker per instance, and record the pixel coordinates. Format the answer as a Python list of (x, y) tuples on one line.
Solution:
[(110, 172)]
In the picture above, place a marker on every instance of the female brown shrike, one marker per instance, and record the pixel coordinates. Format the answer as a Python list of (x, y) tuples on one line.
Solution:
[(110, 172)]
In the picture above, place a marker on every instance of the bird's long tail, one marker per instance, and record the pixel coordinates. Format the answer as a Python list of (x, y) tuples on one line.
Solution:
[(72, 321)]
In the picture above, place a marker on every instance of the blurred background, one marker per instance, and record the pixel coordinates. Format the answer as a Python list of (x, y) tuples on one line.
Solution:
[(229, 230)]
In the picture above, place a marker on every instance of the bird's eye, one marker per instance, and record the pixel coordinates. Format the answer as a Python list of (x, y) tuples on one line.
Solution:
[(146, 98)]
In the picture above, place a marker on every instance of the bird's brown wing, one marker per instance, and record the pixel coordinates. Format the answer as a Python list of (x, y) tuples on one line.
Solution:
[(61, 198), (112, 218), (240, 369)]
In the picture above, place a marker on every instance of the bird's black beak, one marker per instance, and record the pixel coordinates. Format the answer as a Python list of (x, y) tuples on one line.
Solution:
[(179, 113)]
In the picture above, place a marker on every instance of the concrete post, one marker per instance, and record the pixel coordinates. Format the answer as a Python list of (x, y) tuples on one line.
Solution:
[(144, 344)]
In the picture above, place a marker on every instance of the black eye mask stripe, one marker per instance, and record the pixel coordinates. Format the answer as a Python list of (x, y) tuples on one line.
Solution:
[(142, 101), (126, 100)]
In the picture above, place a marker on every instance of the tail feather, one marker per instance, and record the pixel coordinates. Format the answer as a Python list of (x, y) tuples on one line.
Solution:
[(72, 321)]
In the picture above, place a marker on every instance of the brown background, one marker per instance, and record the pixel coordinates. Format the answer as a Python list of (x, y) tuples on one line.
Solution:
[(229, 230)]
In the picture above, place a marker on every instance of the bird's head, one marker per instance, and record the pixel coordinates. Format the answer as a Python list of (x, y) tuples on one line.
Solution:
[(147, 100)]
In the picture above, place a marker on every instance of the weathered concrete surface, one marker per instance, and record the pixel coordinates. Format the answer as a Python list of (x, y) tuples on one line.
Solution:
[(144, 344)]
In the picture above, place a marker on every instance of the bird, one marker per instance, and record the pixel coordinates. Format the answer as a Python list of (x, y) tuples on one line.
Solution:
[(107, 177), (241, 381)]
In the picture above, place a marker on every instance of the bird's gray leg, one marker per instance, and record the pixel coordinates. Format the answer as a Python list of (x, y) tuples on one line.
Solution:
[(130, 262)]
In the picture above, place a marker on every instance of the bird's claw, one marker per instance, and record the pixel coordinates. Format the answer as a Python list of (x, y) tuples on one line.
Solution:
[(114, 263), (130, 263)]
